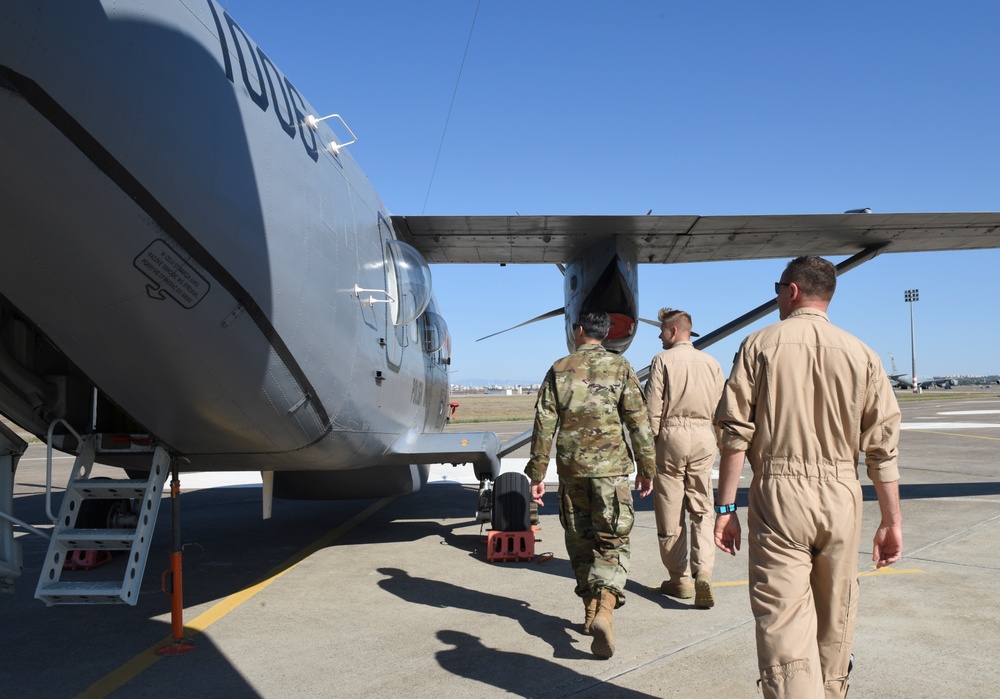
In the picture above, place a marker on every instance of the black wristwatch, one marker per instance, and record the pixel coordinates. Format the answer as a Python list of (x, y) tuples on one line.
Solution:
[(725, 509)]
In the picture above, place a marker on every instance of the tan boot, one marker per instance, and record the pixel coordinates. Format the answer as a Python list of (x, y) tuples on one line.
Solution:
[(590, 609), (603, 645), (675, 589), (703, 596)]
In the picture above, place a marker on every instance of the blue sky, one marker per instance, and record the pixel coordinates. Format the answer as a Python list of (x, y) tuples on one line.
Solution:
[(706, 108)]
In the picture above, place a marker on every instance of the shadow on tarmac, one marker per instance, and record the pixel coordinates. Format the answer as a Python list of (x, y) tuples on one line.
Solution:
[(924, 491), (435, 593), (516, 673)]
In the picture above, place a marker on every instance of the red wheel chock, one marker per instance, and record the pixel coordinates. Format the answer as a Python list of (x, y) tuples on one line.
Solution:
[(85, 560), (510, 547)]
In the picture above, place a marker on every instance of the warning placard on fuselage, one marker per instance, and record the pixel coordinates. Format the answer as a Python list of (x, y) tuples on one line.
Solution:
[(171, 275)]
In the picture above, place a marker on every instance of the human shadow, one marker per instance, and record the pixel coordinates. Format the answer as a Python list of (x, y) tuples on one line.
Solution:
[(435, 593), (519, 674)]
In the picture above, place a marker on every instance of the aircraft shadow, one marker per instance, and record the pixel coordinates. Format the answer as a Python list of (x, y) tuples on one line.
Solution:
[(63, 651), (227, 546), (517, 673), (924, 491)]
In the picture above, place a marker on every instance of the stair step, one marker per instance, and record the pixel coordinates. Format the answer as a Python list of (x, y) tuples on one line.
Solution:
[(97, 592), (107, 489), (88, 539)]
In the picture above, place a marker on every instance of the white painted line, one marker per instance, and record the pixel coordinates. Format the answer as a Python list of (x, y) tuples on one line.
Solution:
[(464, 475), (970, 412), (948, 425), (217, 479)]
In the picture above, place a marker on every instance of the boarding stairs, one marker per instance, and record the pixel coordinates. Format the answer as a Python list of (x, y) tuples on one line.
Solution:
[(66, 537)]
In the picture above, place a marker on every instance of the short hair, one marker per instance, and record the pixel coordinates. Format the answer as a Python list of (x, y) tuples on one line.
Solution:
[(814, 276), (596, 324), (673, 316)]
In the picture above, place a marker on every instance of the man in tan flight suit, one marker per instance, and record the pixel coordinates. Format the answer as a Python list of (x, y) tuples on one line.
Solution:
[(682, 394), (802, 399)]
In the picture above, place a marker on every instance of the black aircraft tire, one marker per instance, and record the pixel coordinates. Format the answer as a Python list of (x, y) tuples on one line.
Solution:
[(94, 514), (511, 503)]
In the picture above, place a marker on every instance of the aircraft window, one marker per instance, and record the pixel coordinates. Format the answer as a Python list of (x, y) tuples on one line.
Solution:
[(435, 332), (409, 280)]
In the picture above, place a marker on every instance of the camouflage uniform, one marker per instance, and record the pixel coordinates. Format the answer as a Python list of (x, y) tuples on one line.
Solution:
[(591, 396)]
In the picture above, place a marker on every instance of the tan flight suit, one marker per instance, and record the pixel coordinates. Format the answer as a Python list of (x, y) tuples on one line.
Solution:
[(802, 399), (682, 394)]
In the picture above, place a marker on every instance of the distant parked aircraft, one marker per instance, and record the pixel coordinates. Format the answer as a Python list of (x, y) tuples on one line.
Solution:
[(906, 380)]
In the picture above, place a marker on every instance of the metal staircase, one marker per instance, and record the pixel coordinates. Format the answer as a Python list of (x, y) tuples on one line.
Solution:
[(66, 537)]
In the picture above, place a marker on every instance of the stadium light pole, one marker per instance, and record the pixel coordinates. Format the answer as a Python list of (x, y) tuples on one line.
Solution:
[(911, 296)]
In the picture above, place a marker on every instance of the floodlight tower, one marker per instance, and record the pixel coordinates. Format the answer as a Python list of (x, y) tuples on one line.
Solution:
[(911, 296)]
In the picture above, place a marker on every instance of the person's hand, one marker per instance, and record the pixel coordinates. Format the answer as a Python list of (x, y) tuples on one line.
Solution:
[(537, 491), (887, 546), (727, 532), (644, 486)]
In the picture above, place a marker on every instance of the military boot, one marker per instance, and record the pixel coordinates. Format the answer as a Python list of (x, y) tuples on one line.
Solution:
[(704, 598), (590, 609), (603, 645)]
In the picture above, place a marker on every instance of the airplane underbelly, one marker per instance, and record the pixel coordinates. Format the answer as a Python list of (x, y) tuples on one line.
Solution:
[(128, 294)]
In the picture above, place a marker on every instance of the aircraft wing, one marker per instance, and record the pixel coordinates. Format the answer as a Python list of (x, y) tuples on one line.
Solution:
[(668, 239)]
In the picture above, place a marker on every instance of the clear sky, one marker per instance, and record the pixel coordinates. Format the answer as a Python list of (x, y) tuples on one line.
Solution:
[(708, 108)]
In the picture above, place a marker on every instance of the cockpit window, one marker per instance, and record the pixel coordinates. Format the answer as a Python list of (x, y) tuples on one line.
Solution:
[(435, 332), (409, 280)]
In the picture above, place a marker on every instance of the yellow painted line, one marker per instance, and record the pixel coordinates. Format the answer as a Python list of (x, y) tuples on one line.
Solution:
[(731, 583), (147, 658), (889, 570), (953, 434)]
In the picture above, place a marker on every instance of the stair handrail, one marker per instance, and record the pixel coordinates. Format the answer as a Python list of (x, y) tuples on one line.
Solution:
[(48, 464)]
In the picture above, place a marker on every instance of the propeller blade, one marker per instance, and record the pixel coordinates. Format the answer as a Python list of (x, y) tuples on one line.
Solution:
[(544, 316)]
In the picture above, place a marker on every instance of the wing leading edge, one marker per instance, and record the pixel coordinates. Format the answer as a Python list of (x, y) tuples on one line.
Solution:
[(669, 239)]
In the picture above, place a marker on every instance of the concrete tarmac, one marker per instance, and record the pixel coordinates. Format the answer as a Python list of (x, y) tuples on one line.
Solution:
[(394, 597)]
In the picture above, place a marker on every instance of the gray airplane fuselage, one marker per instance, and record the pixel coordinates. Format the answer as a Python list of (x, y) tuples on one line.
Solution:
[(175, 235)]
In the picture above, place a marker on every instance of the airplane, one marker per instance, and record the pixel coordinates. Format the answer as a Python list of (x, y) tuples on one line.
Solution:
[(200, 277), (906, 380)]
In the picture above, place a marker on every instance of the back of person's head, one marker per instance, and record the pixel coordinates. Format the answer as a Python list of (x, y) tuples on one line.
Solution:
[(595, 324), (815, 277), (676, 318)]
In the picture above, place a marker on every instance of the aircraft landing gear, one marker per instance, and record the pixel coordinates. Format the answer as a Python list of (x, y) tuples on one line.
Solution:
[(484, 508), (511, 503), (512, 513), (506, 503)]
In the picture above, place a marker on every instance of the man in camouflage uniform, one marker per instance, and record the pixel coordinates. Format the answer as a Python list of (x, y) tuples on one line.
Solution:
[(591, 397)]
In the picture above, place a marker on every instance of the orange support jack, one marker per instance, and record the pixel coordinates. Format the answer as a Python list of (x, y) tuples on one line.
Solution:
[(171, 582)]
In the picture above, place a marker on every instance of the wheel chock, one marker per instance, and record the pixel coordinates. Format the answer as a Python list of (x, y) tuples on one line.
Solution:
[(510, 547), (85, 560)]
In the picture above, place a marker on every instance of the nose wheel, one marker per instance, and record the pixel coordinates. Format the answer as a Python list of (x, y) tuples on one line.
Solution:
[(506, 503)]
